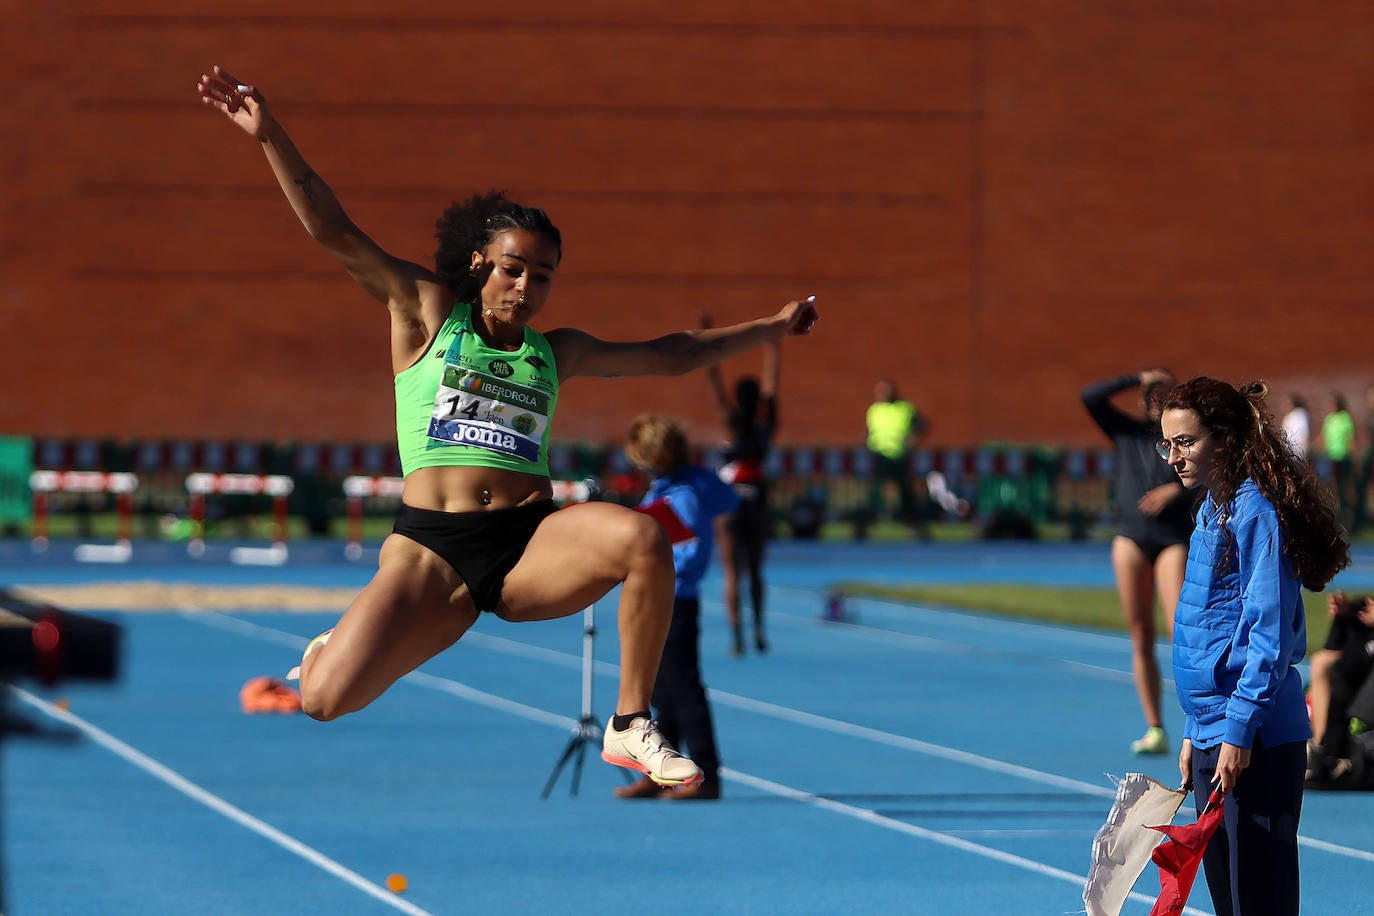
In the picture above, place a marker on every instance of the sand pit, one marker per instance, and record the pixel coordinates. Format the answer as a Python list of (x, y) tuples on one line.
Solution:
[(162, 596)]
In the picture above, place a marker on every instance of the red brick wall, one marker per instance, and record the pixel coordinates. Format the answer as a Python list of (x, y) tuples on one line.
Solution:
[(995, 202)]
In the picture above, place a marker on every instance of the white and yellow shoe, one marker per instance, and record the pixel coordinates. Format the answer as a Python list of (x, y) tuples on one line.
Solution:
[(295, 673), (642, 747)]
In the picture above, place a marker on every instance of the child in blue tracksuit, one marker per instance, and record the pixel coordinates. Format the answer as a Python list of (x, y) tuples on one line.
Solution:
[(1265, 529), (690, 500)]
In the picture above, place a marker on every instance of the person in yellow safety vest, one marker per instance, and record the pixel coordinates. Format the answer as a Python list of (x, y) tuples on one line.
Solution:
[(1338, 444), (893, 427)]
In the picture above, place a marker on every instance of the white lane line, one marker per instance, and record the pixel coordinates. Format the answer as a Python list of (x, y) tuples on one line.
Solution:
[(934, 836), (988, 621), (837, 726), (824, 723), (491, 700), (762, 707), (859, 630), (787, 713), (243, 627), (217, 804), (1336, 848), (988, 763), (483, 698), (279, 637), (898, 638), (978, 621), (849, 729)]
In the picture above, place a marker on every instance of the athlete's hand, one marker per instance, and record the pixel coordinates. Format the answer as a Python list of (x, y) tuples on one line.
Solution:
[(1154, 501), (798, 317), (1366, 612), (1336, 605), (1156, 376), (1185, 761), (241, 103)]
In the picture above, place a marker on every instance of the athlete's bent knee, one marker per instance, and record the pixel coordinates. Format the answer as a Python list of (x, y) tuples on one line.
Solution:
[(320, 702), (638, 540), (650, 540)]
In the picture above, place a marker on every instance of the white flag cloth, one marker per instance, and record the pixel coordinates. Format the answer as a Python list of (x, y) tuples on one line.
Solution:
[(1122, 847)]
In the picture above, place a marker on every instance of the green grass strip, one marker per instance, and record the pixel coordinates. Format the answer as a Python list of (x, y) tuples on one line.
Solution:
[(1088, 607)]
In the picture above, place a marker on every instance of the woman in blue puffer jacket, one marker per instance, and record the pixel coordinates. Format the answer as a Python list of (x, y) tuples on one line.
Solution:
[(1265, 530)]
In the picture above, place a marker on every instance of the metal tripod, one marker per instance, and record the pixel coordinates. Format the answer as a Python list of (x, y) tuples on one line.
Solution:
[(587, 729)]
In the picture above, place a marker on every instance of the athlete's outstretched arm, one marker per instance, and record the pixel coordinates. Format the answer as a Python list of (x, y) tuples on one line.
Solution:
[(388, 279), (579, 353)]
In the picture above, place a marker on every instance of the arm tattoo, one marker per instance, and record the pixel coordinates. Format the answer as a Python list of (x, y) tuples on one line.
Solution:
[(308, 181), (684, 351), (680, 345)]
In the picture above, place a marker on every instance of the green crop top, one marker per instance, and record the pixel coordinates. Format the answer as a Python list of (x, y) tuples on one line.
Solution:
[(466, 404)]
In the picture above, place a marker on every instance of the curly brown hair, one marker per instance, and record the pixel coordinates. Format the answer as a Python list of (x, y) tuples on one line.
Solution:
[(472, 225), (1248, 445)]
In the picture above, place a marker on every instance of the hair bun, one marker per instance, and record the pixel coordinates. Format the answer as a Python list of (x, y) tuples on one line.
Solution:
[(1257, 390)]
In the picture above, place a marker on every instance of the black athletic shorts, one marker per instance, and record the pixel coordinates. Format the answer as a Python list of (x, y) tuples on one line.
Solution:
[(1152, 547), (482, 547)]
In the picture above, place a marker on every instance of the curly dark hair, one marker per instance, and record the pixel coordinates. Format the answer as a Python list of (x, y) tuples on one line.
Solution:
[(471, 226), (1248, 445)]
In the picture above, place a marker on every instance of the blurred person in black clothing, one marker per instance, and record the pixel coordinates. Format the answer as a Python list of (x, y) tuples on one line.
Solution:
[(752, 419), (1339, 691), (1154, 521)]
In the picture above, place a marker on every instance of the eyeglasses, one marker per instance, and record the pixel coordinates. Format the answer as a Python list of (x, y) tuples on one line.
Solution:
[(1185, 445)]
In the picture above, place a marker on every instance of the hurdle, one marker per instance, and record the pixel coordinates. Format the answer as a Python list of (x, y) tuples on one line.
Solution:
[(279, 487), (356, 489), (573, 491), (120, 483)]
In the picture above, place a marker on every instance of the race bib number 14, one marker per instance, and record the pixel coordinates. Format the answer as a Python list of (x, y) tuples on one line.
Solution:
[(473, 408)]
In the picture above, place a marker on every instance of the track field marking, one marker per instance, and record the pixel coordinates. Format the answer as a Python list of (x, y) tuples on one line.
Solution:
[(897, 637), (217, 804), (763, 707), (943, 839), (280, 637), (968, 619), (977, 622), (455, 688)]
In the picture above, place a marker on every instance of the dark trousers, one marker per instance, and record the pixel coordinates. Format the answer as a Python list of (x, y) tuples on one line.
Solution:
[(892, 470), (684, 715), (1362, 484), (1251, 862), (1345, 481)]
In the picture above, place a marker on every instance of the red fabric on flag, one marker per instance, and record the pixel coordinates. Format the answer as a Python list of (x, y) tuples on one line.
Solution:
[(672, 523), (1178, 859)]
